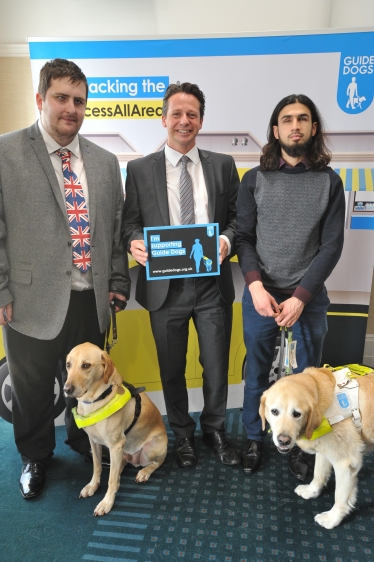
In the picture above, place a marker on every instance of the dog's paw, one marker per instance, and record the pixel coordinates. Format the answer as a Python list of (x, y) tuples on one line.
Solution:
[(89, 490), (306, 491), (142, 476), (103, 507), (329, 519)]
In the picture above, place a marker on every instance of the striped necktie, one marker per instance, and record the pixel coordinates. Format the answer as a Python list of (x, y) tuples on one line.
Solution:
[(186, 194), (77, 212)]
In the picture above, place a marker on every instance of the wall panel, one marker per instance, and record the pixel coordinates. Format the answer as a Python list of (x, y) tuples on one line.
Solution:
[(17, 108)]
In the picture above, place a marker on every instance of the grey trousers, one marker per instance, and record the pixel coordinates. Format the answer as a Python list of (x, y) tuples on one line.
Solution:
[(199, 299)]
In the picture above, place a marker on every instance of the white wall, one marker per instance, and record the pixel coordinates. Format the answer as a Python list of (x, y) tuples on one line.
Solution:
[(352, 13), (39, 18)]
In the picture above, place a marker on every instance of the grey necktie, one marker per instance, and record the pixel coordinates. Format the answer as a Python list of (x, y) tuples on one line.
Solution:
[(186, 194)]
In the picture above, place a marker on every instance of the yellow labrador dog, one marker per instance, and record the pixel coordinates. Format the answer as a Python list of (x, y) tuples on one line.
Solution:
[(96, 384), (294, 407)]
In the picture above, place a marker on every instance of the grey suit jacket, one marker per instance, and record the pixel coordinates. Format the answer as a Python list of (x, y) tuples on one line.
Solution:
[(146, 204), (35, 242)]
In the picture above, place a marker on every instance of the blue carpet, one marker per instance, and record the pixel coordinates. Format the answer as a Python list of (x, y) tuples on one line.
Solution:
[(210, 512)]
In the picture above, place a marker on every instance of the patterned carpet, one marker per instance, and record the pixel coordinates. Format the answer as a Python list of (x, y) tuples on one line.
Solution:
[(210, 512)]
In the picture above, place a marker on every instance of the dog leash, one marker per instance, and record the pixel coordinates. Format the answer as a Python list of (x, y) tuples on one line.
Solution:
[(135, 392), (113, 304), (113, 323)]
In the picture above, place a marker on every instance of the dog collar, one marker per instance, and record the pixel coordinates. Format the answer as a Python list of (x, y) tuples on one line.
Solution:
[(102, 396), (115, 404)]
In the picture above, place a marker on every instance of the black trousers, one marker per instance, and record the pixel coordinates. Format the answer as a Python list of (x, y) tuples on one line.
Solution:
[(32, 368), (199, 299)]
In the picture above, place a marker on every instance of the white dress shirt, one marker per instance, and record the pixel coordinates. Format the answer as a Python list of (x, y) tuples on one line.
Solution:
[(79, 281), (195, 169)]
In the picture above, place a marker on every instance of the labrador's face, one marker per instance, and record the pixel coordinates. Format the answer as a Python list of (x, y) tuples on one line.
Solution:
[(88, 367), (291, 411)]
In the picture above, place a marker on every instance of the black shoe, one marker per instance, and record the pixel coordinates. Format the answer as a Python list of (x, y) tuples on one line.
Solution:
[(105, 459), (223, 450), (32, 480), (298, 463), (185, 452), (252, 456)]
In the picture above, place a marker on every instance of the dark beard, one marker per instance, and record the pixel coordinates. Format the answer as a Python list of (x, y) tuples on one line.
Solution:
[(298, 149)]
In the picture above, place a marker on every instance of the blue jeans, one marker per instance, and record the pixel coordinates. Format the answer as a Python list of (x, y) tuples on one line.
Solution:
[(260, 334)]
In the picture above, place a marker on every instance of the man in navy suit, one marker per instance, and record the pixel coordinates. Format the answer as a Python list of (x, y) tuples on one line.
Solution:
[(153, 199)]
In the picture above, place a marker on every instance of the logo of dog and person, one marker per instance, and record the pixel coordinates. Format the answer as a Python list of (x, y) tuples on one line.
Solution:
[(356, 82), (197, 253)]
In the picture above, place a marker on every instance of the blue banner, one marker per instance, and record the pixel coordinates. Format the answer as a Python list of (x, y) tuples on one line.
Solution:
[(207, 47)]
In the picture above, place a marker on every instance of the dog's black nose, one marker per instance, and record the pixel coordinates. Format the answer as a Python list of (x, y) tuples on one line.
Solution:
[(68, 389), (284, 440)]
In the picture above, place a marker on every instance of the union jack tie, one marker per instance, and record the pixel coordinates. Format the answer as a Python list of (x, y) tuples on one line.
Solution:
[(77, 212)]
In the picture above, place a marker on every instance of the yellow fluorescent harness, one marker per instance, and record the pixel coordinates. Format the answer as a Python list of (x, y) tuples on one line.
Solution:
[(115, 404), (322, 429)]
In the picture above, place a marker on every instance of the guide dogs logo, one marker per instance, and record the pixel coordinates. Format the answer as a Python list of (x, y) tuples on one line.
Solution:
[(356, 82)]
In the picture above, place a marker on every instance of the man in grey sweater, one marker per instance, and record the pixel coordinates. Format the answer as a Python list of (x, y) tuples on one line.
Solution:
[(290, 222)]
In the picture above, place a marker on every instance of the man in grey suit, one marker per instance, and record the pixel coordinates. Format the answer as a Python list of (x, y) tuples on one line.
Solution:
[(153, 198), (56, 281)]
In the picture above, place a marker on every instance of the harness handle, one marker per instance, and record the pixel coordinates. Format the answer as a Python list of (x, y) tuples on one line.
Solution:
[(284, 329), (281, 353)]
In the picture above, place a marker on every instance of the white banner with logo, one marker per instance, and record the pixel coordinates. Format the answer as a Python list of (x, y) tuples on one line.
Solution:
[(243, 79)]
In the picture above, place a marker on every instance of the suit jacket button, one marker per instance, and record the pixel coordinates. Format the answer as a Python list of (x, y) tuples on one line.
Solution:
[(69, 243), (68, 273)]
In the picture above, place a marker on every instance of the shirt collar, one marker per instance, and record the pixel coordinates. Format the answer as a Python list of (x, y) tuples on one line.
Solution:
[(52, 145), (304, 162), (174, 156)]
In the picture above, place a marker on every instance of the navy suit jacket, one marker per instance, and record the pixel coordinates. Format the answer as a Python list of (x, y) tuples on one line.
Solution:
[(146, 205)]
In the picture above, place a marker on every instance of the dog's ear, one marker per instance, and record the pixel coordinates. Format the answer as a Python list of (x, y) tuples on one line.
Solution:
[(314, 420), (108, 366), (262, 410)]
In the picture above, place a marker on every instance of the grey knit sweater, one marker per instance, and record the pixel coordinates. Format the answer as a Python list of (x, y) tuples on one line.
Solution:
[(290, 228)]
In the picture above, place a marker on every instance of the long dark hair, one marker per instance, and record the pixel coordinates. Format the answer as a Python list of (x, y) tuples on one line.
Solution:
[(318, 154)]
